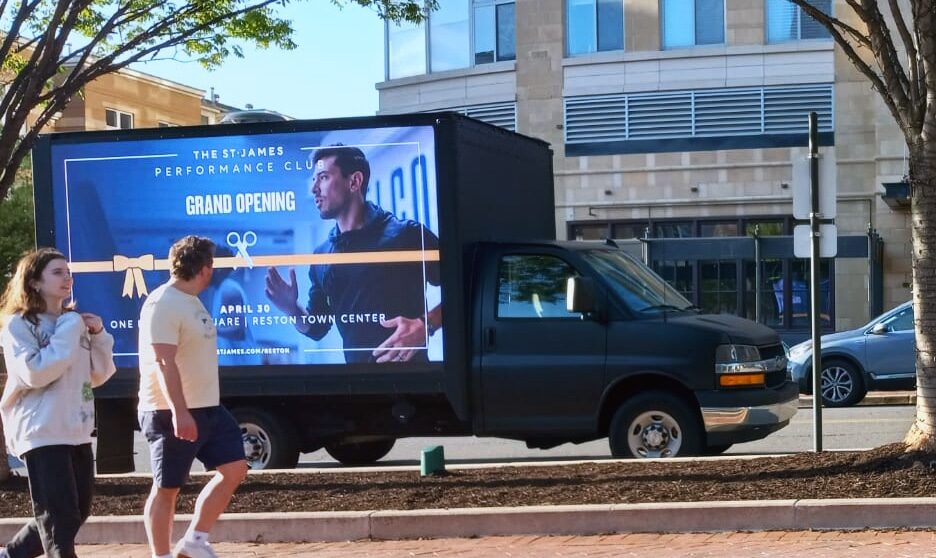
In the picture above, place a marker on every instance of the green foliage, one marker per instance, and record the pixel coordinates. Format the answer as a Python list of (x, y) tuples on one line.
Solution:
[(17, 226)]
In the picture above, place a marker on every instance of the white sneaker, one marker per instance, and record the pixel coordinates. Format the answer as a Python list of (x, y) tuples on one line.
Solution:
[(188, 549)]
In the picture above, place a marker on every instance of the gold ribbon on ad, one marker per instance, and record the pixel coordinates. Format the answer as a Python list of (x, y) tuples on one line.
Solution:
[(134, 268)]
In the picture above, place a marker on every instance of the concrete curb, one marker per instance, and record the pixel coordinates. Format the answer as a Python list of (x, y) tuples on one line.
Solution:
[(873, 398), (770, 515)]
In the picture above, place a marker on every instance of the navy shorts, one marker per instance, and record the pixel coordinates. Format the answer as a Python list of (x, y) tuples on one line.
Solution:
[(219, 442)]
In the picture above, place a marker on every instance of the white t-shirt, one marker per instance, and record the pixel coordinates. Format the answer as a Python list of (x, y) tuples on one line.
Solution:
[(172, 317)]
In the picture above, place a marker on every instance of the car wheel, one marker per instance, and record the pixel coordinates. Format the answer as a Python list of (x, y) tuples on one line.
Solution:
[(655, 424), (360, 453), (269, 442), (841, 384)]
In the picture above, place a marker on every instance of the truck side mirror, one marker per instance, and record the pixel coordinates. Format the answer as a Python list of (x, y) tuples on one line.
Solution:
[(580, 295)]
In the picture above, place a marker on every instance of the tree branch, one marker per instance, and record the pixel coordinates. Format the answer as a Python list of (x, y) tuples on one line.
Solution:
[(894, 99), (910, 46)]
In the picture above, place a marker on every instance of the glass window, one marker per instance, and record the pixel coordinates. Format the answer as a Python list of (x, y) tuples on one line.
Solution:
[(672, 230), (800, 302), (764, 228), (533, 286), (581, 27), (688, 23), (449, 36), (902, 321), (406, 49), (771, 313), (678, 274), (118, 120), (787, 22), (506, 32), (641, 289), (594, 25), (629, 230), (714, 228), (494, 31), (590, 232), (610, 25), (718, 288)]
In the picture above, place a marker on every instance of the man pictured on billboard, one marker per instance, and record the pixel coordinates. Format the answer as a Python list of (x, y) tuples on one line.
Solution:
[(379, 308)]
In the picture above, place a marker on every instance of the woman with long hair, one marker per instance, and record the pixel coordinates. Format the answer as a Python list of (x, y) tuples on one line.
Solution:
[(54, 357)]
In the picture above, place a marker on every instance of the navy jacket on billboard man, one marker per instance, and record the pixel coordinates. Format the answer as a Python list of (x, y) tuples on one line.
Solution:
[(379, 308)]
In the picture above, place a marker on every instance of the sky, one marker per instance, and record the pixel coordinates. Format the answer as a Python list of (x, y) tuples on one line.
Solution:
[(331, 73)]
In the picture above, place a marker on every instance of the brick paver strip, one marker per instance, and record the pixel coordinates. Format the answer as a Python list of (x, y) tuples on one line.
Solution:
[(786, 544)]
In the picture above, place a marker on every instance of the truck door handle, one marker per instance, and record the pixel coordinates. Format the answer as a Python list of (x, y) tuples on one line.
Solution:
[(489, 338)]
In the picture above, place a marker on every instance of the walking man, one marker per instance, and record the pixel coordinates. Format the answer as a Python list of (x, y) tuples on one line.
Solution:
[(180, 412)]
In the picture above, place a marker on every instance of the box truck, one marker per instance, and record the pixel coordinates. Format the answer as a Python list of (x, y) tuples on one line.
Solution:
[(395, 276)]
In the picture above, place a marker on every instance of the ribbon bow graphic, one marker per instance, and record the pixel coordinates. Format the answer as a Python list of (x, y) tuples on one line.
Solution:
[(134, 268)]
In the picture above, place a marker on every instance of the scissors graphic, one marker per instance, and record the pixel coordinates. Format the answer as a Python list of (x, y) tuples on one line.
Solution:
[(235, 240)]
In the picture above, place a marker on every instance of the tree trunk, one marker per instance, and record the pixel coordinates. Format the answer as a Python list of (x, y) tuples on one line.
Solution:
[(4, 460), (922, 435)]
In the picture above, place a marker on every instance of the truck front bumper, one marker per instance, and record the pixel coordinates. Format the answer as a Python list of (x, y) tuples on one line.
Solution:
[(732, 417)]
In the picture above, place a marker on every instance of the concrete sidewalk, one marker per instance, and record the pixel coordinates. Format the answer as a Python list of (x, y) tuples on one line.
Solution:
[(786, 544), (770, 515)]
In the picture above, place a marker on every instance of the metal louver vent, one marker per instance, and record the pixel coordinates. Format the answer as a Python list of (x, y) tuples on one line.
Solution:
[(697, 113), (503, 115)]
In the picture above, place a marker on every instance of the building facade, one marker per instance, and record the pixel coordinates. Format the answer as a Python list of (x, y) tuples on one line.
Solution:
[(679, 122), (131, 99)]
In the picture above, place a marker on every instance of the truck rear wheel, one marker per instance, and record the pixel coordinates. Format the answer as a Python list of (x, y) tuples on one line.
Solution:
[(360, 453), (269, 441), (655, 424)]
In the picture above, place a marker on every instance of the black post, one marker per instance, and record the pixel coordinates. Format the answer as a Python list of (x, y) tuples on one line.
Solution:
[(814, 279)]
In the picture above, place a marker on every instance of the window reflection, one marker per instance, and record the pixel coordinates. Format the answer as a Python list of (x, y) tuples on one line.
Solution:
[(533, 286), (407, 49), (448, 36), (688, 23)]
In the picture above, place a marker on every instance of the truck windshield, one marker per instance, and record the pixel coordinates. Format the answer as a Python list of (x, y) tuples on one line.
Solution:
[(636, 284)]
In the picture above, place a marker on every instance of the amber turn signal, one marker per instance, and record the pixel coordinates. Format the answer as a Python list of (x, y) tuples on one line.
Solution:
[(739, 380)]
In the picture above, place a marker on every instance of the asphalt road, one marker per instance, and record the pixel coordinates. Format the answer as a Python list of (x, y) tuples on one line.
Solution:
[(851, 428)]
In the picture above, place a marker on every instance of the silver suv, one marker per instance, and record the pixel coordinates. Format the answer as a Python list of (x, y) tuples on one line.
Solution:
[(878, 356)]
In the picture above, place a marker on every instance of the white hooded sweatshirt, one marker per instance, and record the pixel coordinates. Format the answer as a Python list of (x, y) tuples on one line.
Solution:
[(51, 368)]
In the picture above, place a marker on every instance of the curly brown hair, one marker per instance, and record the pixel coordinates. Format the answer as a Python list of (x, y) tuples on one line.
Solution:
[(189, 255), (20, 296)]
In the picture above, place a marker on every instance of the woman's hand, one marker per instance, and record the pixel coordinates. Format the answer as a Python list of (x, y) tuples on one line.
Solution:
[(93, 322)]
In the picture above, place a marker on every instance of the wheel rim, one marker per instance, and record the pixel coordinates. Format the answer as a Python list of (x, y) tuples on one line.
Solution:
[(256, 445), (837, 384), (654, 434)]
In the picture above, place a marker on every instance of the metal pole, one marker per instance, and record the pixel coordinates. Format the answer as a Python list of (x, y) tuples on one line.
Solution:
[(757, 275), (814, 283)]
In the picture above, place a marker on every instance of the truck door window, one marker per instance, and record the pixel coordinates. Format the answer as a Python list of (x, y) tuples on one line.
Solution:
[(533, 286)]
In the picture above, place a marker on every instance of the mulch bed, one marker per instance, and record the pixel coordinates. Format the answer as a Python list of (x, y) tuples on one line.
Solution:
[(884, 472)]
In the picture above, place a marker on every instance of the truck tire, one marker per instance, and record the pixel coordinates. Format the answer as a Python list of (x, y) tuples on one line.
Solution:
[(841, 383), (269, 441), (655, 424), (360, 453)]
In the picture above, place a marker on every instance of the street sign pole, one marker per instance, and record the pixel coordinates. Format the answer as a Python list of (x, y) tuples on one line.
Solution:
[(814, 283)]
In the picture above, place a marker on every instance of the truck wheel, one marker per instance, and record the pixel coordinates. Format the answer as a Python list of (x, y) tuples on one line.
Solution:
[(360, 453), (269, 441), (655, 424), (841, 384)]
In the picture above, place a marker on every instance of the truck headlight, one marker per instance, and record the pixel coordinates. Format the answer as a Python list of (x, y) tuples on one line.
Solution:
[(739, 366)]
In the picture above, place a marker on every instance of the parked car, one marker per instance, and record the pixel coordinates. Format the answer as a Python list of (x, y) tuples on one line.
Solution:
[(880, 355)]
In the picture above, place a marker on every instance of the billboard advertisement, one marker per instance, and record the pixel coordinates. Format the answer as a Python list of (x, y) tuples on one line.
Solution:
[(327, 241)]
